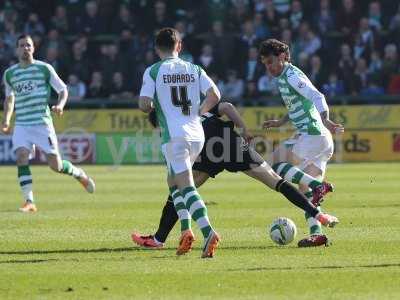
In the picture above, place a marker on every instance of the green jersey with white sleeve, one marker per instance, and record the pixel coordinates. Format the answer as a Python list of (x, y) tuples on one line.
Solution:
[(30, 86), (176, 86), (303, 101)]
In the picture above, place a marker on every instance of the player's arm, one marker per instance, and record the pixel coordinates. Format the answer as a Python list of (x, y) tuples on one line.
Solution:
[(61, 88), (147, 92), (276, 122), (145, 104), (8, 111), (305, 88), (8, 106), (229, 110), (208, 88)]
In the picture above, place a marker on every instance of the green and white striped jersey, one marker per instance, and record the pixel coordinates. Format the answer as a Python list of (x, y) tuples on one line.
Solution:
[(303, 101), (30, 86), (175, 86)]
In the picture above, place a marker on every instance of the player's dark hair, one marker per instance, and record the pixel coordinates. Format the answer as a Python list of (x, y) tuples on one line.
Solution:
[(23, 36), (274, 47), (167, 38), (153, 118)]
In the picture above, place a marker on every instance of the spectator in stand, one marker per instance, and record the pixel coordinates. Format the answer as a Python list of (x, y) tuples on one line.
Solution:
[(55, 41), (361, 77), (34, 25), (296, 14), (234, 87), (91, 23), (208, 62), (375, 18), (324, 20), (160, 17), (52, 58), (390, 64), (248, 37), (10, 34), (346, 66), (252, 69), (334, 87), (251, 93), (96, 88), (222, 43), (218, 82), (268, 85), (260, 29), (303, 62), (260, 6), (375, 64), (60, 20), (119, 89), (124, 21), (394, 26), (317, 74), (365, 40), (239, 13), (313, 43), (112, 62), (76, 88), (272, 18), (287, 38), (348, 18), (282, 7), (6, 54), (79, 63)]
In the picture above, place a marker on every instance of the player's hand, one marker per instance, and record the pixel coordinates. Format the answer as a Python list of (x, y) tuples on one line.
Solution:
[(5, 128), (57, 109), (272, 123), (333, 127), (246, 135)]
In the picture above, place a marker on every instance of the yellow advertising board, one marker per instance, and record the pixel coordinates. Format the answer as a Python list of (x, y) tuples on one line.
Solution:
[(131, 120), (372, 132), (352, 117), (353, 145)]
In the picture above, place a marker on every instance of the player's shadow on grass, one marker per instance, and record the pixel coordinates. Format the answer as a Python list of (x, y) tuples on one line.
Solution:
[(68, 251), (124, 249), (313, 268)]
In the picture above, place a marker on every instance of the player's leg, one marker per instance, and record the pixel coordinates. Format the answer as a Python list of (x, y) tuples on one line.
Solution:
[(311, 154), (66, 167), (193, 201), (46, 139), (168, 219), (266, 175), (295, 175), (23, 148), (25, 179)]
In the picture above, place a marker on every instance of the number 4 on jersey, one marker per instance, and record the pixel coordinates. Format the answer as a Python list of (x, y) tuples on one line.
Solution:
[(181, 99)]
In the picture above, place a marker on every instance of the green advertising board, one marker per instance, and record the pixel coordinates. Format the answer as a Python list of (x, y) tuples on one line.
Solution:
[(128, 148)]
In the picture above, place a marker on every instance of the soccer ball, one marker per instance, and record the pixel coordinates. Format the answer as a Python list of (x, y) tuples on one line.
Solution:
[(282, 231)]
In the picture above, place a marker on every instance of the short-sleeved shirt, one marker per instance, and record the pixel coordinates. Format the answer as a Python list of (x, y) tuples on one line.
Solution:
[(176, 87), (30, 86)]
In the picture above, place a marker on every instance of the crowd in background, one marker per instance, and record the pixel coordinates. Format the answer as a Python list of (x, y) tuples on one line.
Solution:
[(101, 48)]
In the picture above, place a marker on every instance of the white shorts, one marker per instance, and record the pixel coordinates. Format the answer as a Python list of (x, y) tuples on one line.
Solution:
[(314, 149), (181, 155), (42, 136)]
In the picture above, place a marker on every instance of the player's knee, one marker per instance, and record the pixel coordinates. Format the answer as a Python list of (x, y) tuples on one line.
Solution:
[(22, 158)]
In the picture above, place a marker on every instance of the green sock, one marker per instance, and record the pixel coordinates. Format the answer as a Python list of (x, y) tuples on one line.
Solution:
[(295, 175), (180, 207), (25, 182), (313, 224), (70, 169), (197, 209)]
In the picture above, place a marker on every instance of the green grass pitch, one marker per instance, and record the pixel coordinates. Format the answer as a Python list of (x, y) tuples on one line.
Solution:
[(78, 245)]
